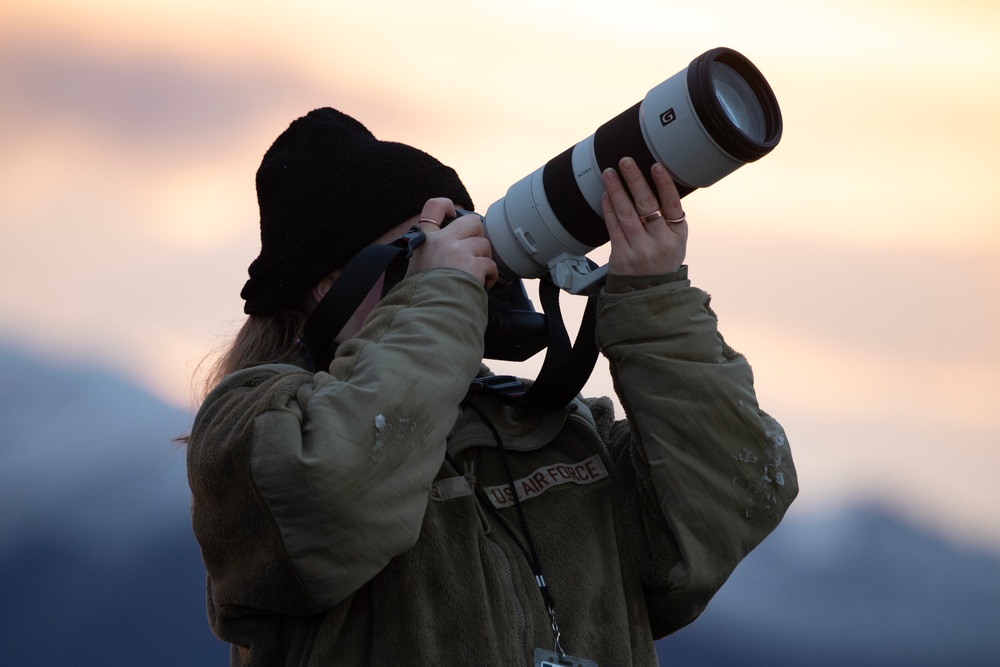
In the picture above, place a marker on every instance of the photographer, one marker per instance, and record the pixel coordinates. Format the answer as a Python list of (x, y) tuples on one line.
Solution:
[(378, 512)]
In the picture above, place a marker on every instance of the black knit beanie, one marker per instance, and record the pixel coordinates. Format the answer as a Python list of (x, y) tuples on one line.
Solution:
[(326, 189)]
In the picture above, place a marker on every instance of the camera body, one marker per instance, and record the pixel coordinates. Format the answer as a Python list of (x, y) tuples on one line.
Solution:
[(515, 331)]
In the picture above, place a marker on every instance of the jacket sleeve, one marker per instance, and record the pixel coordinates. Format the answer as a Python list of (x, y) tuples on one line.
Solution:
[(304, 486), (713, 472)]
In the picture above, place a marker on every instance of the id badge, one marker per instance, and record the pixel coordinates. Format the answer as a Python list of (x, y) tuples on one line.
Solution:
[(545, 658)]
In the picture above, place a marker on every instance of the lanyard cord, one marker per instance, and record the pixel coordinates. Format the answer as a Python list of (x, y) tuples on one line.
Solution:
[(530, 553)]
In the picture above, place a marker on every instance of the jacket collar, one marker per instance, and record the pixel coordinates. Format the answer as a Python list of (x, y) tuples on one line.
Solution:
[(521, 429)]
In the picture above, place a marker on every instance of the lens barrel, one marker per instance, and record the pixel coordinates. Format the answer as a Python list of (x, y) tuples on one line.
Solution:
[(702, 124)]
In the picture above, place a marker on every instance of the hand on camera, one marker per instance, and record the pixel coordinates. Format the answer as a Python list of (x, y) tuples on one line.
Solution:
[(647, 229), (461, 244)]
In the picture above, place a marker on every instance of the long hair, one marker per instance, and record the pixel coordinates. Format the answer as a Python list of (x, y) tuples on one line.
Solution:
[(263, 339)]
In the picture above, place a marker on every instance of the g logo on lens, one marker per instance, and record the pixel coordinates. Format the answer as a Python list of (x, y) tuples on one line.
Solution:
[(667, 117)]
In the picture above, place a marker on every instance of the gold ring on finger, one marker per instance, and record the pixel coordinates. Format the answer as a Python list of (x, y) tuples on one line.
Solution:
[(652, 217)]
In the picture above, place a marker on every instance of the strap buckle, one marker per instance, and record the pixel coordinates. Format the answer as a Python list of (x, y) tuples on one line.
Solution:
[(498, 385), (410, 241)]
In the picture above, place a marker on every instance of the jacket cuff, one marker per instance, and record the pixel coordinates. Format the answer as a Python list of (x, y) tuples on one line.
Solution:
[(617, 284)]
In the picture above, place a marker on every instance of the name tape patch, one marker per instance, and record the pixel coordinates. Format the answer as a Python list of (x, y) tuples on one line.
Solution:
[(548, 477)]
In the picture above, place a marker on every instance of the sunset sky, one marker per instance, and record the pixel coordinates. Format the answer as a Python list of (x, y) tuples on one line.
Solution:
[(857, 266)]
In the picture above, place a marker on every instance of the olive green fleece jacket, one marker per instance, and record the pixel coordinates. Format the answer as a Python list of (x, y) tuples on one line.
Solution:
[(335, 531)]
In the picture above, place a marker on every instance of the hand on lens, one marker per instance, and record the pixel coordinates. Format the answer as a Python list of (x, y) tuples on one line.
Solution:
[(644, 241), (461, 244)]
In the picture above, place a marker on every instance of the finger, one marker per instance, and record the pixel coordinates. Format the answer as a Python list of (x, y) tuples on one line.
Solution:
[(615, 233), (621, 203), (491, 272), (483, 247), (482, 265), (475, 218), (434, 212), (429, 224), (467, 226), (670, 200), (645, 201)]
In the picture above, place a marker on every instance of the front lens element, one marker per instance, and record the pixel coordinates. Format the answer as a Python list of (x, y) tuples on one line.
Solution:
[(739, 101)]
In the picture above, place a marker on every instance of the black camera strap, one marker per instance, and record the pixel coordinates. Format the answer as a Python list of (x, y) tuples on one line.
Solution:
[(566, 368), (351, 288)]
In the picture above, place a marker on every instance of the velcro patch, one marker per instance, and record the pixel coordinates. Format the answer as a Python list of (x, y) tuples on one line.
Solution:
[(453, 487)]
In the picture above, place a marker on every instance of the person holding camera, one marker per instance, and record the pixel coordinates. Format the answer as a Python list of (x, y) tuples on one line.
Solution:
[(385, 509)]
